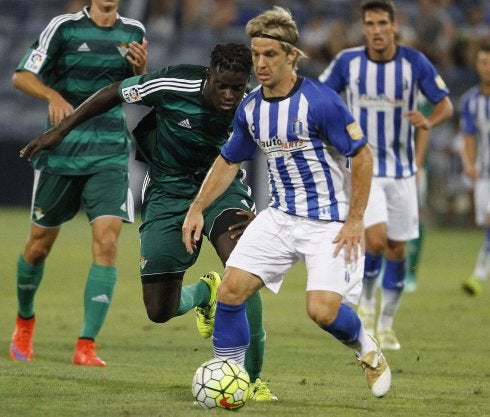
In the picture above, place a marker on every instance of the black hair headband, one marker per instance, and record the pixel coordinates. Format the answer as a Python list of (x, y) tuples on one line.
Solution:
[(266, 35)]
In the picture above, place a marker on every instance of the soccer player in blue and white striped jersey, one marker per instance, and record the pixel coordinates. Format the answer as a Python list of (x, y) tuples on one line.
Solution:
[(381, 81), (191, 117), (319, 168), (475, 125)]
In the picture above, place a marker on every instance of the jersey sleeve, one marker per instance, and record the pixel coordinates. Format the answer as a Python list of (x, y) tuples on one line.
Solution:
[(240, 146), (338, 127), (467, 122), (431, 83), (138, 89), (41, 53), (333, 75)]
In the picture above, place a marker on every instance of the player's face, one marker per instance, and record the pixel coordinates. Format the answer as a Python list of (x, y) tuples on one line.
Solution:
[(380, 34), (106, 5), (273, 67), (225, 89), (483, 67)]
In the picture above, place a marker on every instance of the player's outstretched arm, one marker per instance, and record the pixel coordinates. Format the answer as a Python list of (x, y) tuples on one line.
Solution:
[(100, 102)]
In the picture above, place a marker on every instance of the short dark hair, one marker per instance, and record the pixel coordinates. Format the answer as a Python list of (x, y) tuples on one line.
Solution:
[(234, 57), (385, 5)]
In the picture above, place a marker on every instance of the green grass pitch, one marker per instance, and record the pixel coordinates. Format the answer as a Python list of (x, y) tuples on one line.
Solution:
[(443, 368)]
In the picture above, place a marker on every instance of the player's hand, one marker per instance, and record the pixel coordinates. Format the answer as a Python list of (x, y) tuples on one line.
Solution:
[(351, 239), (138, 56), (191, 229), (418, 119), (47, 140), (239, 227), (471, 171), (59, 108)]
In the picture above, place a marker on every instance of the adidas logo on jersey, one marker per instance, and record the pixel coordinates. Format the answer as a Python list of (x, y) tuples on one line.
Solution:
[(83, 48), (185, 123), (101, 299)]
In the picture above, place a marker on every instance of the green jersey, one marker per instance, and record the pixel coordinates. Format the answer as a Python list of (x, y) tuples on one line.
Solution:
[(76, 57), (188, 135)]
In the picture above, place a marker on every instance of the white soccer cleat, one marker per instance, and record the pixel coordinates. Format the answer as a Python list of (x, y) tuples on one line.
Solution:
[(377, 371)]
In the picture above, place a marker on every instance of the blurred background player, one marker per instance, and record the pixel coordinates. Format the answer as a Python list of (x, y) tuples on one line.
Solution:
[(319, 169), (475, 125), (76, 55), (381, 81), (193, 107)]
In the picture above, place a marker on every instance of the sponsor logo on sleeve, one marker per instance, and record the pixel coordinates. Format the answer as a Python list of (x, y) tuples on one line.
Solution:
[(440, 82), (35, 61), (355, 131), (131, 94)]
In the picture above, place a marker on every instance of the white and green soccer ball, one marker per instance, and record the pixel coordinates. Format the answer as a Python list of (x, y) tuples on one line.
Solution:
[(221, 383)]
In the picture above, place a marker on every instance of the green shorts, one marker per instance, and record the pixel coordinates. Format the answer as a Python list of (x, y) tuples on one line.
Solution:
[(58, 198), (162, 249)]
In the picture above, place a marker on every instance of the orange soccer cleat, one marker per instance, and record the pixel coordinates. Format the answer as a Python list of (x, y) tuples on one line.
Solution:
[(21, 346), (85, 354)]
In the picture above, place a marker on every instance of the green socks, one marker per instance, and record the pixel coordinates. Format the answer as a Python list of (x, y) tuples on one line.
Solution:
[(414, 248), (97, 298), (98, 293), (193, 295), (254, 356), (28, 279)]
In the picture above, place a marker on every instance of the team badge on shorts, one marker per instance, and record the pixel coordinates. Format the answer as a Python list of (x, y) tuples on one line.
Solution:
[(143, 262)]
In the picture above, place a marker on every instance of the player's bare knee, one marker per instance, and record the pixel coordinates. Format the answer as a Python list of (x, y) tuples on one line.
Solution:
[(324, 317), (228, 294), (395, 251), (36, 253), (376, 245)]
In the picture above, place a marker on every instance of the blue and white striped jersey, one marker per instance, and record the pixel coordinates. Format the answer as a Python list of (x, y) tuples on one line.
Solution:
[(379, 94), (308, 138), (475, 121)]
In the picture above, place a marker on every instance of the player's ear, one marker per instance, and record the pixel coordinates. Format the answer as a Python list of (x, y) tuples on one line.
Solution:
[(292, 55)]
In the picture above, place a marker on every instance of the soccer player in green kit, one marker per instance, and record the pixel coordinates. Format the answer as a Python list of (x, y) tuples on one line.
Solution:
[(74, 56), (193, 107)]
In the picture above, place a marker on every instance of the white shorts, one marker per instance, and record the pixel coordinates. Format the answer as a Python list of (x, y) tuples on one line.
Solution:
[(482, 201), (394, 201), (275, 241)]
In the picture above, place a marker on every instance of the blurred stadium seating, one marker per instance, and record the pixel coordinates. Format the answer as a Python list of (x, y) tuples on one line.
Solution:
[(178, 35)]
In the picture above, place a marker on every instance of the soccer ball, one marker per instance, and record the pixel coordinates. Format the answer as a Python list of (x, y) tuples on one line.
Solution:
[(221, 383)]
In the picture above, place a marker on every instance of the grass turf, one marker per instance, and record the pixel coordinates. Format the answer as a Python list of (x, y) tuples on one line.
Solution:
[(442, 369)]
